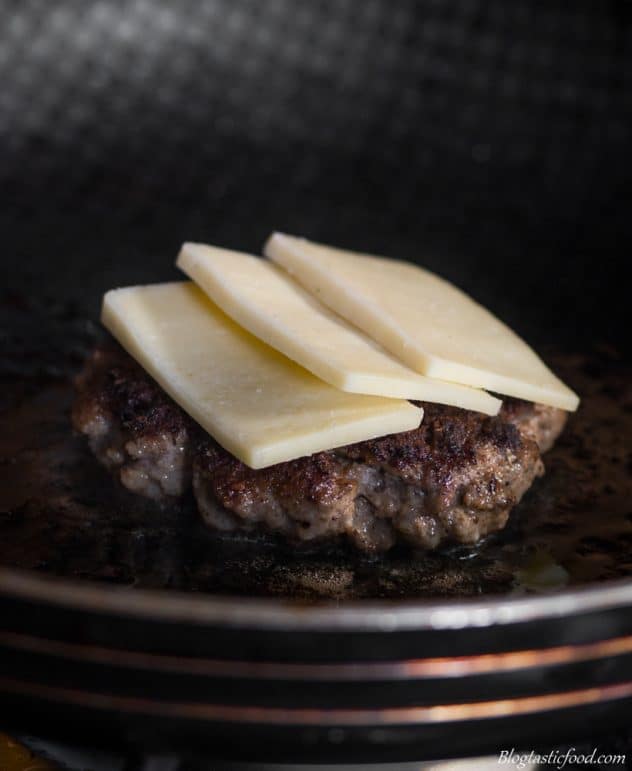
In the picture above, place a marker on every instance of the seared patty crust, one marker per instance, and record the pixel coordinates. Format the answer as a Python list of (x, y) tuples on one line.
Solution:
[(133, 427), (453, 479)]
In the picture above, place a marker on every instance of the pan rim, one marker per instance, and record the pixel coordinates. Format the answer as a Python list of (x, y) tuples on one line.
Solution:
[(172, 606)]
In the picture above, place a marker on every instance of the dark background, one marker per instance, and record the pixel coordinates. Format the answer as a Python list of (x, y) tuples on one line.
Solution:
[(488, 139)]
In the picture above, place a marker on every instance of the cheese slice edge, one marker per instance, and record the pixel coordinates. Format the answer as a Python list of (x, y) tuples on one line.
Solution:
[(263, 299), (393, 301), (257, 404)]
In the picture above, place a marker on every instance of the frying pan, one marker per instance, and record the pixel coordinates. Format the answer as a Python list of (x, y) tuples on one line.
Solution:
[(489, 144)]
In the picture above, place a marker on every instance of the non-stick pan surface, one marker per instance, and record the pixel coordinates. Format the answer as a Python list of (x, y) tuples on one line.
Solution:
[(488, 141)]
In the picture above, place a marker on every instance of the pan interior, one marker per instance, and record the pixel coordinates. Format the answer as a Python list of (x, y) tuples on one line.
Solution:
[(61, 514)]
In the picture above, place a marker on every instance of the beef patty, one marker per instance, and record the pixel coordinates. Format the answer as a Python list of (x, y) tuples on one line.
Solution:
[(454, 479)]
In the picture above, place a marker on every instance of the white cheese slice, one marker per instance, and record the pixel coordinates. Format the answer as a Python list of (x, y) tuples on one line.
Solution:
[(422, 319), (265, 301), (256, 403)]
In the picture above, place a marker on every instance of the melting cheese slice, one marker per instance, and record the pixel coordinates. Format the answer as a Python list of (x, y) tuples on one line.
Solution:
[(422, 319), (265, 301), (260, 406)]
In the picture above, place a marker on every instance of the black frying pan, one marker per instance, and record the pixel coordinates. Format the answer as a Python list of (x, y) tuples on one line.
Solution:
[(253, 649), (490, 144)]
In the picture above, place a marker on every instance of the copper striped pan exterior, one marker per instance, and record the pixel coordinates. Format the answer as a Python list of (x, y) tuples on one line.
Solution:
[(284, 681)]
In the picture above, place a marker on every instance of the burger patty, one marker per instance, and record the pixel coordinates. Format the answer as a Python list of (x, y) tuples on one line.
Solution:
[(453, 479), (133, 427)]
